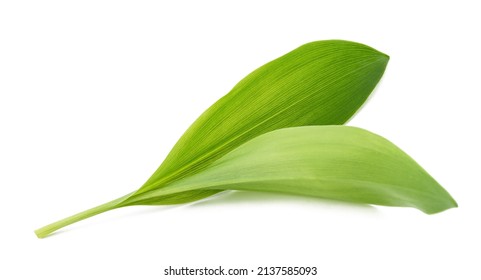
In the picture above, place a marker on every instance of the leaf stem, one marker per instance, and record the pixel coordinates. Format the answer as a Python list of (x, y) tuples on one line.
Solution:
[(48, 229)]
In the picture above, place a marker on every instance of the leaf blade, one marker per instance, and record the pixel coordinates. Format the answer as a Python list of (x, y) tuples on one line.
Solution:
[(323, 82), (334, 162)]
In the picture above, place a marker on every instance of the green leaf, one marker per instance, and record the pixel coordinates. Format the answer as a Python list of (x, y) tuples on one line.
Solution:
[(334, 162), (320, 83)]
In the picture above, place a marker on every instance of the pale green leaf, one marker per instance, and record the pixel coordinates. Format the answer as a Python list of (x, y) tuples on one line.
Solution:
[(320, 83), (334, 162)]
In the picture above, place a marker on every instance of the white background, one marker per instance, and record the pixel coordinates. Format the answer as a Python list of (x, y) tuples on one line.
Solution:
[(93, 94)]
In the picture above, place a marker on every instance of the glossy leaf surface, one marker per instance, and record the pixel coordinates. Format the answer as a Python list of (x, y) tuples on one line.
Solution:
[(320, 83)]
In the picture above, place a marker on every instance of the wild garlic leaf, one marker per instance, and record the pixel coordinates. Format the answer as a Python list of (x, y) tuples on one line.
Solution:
[(333, 162), (319, 83)]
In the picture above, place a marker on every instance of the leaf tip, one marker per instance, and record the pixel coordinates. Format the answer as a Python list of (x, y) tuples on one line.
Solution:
[(447, 203)]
